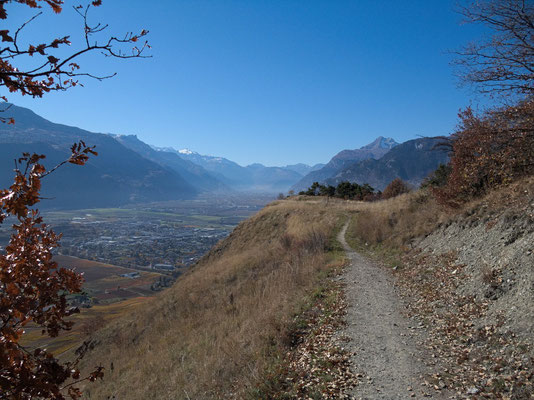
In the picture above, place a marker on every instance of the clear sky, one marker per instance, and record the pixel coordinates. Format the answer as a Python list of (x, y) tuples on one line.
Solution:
[(270, 81)]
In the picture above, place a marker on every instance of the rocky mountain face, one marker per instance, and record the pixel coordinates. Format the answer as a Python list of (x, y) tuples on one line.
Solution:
[(412, 161), (344, 158), (193, 173), (378, 148), (118, 175)]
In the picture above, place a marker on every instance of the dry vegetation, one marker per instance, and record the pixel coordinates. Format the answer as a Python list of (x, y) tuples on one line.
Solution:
[(231, 326), (466, 280), (85, 323), (104, 283), (229, 321), (116, 296), (396, 222)]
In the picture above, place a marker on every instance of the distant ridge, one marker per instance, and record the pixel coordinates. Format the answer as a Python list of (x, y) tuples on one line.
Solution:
[(304, 169), (186, 151), (374, 150), (252, 178), (196, 175), (117, 176), (412, 161)]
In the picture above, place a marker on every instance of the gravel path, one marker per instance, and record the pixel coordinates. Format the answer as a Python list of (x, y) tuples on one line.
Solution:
[(386, 357)]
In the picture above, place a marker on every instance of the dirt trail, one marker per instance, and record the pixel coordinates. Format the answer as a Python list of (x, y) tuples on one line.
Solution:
[(384, 342)]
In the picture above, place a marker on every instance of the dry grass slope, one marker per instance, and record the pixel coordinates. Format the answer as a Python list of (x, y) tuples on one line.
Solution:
[(223, 324), (397, 221), (402, 221), (223, 328)]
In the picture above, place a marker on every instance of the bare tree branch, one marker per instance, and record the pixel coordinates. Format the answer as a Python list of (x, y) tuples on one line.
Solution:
[(503, 64), (53, 72)]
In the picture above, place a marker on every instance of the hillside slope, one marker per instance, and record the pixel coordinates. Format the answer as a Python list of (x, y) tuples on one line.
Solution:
[(412, 161), (196, 175), (466, 275), (215, 332), (466, 278)]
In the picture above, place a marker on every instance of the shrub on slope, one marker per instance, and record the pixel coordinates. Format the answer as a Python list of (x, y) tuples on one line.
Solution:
[(490, 150)]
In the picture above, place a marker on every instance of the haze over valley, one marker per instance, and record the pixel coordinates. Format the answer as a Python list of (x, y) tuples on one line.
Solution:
[(150, 209), (129, 171)]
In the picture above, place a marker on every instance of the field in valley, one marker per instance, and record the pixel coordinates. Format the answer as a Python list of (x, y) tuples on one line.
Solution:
[(173, 233), (104, 283), (89, 320), (108, 295)]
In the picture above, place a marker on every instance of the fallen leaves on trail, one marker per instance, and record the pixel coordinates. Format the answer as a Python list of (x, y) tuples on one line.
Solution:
[(320, 365), (480, 360), (316, 365)]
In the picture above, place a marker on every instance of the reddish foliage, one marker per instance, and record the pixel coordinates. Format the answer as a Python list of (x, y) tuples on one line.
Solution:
[(502, 63), (41, 68), (395, 188), (490, 150), (33, 289)]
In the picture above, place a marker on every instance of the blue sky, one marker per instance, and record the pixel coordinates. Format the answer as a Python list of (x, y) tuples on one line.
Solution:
[(276, 82)]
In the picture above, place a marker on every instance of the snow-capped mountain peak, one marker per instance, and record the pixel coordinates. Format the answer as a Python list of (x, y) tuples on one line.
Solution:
[(186, 151), (381, 143)]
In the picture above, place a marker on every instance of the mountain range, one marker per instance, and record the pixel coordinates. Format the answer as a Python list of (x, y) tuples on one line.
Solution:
[(254, 177), (190, 171), (127, 170), (117, 176), (344, 158), (412, 161)]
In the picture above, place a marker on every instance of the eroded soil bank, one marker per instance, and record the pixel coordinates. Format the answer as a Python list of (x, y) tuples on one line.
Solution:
[(472, 283)]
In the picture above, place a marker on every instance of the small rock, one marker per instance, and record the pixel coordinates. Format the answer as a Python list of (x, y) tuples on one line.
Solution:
[(473, 390)]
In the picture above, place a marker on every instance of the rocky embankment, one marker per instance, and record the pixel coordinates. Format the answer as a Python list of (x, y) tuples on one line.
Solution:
[(472, 281)]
